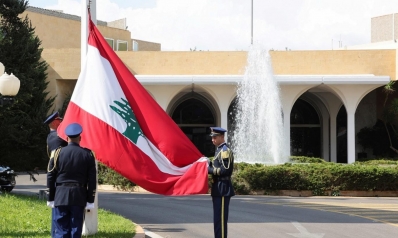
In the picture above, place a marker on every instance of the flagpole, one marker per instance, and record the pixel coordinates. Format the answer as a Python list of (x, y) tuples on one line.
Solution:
[(90, 225), (252, 25), (84, 33)]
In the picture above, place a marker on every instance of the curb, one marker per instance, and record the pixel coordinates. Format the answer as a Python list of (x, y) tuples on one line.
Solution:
[(139, 231), (113, 188), (309, 193)]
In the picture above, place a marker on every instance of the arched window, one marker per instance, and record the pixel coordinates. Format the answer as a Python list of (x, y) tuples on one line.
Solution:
[(305, 130), (194, 114), (193, 111)]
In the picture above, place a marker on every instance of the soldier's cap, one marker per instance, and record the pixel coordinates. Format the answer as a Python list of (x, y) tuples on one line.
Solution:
[(216, 131), (52, 117), (73, 130)]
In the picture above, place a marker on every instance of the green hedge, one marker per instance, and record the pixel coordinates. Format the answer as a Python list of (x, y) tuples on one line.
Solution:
[(303, 159), (303, 173), (316, 177), (110, 177)]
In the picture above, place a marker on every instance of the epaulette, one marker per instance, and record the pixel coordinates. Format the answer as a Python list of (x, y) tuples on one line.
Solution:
[(225, 152)]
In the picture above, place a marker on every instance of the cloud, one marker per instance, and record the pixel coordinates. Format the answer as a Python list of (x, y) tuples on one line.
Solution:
[(226, 24)]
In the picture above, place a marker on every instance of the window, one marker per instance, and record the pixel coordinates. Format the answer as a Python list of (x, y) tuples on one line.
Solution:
[(110, 42), (122, 45), (135, 45)]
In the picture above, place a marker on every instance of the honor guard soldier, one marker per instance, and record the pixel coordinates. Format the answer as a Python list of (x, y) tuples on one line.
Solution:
[(221, 190), (71, 179), (53, 142)]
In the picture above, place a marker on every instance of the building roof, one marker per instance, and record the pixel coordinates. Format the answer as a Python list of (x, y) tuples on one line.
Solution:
[(61, 15)]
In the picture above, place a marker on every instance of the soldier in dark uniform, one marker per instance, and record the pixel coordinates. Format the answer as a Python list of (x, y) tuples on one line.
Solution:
[(71, 180), (53, 142), (221, 190)]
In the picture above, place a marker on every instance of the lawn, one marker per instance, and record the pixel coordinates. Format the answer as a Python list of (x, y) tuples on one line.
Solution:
[(27, 216)]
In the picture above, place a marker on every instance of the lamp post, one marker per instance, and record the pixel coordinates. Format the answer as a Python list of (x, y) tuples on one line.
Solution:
[(9, 87)]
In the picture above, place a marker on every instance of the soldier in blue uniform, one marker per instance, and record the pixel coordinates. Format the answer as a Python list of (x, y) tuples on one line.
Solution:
[(71, 179), (221, 190), (53, 142)]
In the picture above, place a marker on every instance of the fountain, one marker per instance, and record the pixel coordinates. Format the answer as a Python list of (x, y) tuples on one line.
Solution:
[(258, 136)]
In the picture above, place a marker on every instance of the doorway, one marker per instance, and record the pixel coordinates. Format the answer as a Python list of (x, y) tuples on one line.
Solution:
[(195, 115), (305, 130)]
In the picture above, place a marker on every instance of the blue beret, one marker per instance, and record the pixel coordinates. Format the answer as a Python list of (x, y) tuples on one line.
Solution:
[(215, 131), (52, 117), (73, 130)]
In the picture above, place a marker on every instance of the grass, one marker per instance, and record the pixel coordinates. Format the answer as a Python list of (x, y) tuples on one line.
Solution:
[(27, 216)]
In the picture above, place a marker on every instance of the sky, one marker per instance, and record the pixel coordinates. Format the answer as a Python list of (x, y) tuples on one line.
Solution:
[(225, 25)]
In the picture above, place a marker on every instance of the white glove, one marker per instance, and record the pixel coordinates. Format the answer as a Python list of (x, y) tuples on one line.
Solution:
[(89, 206), (50, 204)]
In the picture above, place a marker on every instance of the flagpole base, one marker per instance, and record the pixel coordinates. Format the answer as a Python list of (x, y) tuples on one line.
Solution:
[(90, 225)]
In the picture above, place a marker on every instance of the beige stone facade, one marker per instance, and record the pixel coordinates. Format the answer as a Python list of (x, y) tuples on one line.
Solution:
[(146, 45), (384, 28), (377, 62), (60, 36), (59, 30), (327, 80)]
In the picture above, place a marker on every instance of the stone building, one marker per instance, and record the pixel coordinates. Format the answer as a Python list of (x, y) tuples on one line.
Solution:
[(329, 94)]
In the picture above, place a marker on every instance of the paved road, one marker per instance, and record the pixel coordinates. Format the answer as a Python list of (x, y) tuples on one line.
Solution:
[(252, 216)]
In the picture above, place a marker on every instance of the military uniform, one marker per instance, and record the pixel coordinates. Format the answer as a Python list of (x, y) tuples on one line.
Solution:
[(71, 180), (221, 169), (53, 142)]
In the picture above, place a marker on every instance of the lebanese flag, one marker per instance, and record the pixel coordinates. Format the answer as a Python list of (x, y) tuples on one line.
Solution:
[(126, 128)]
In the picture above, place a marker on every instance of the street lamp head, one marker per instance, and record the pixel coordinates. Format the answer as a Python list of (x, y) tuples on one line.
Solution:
[(9, 87)]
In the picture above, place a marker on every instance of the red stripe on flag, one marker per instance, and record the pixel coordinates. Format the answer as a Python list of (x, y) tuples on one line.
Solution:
[(117, 152)]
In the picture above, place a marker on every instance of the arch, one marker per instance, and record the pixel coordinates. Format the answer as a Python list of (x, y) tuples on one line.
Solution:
[(351, 94), (194, 113), (195, 101), (305, 128), (194, 91)]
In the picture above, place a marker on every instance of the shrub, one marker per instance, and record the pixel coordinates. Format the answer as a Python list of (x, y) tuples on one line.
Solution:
[(303, 159), (318, 177), (312, 174), (109, 176)]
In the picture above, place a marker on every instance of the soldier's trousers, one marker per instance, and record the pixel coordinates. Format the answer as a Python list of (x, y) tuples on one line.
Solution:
[(68, 221), (52, 222), (220, 216)]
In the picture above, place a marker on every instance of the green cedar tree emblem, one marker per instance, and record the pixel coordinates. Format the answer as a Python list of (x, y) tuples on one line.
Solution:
[(133, 130)]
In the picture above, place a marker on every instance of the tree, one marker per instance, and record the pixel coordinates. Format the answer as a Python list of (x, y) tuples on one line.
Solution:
[(390, 113), (23, 135), (384, 136)]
